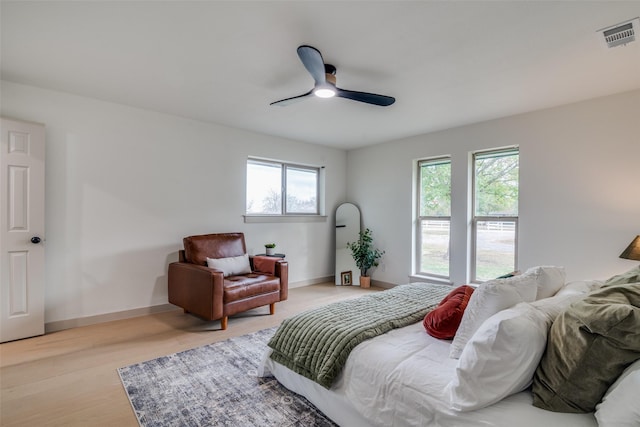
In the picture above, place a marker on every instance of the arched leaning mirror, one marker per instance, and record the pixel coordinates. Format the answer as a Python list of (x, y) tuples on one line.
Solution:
[(347, 230)]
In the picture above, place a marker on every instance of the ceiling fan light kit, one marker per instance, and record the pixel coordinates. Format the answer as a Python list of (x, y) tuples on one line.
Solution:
[(324, 92), (324, 76), (327, 90)]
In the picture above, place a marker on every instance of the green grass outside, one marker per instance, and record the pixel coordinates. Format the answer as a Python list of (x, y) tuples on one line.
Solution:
[(493, 260)]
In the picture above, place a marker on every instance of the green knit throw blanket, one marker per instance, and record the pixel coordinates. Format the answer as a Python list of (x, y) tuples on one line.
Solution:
[(316, 343)]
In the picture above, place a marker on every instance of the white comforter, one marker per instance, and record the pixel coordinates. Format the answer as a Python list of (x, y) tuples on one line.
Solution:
[(399, 379)]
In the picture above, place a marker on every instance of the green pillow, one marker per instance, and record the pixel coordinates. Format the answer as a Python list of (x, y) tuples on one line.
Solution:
[(631, 276), (588, 347)]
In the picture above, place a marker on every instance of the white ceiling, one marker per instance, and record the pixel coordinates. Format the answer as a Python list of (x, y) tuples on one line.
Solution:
[(447, 63)]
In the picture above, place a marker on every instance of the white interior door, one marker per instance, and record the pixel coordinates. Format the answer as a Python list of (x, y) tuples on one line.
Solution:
[(22, 154)]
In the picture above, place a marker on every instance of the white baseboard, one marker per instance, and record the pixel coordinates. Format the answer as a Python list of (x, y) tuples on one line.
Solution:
[(127, 314), (381, 284), (108, 317), (331, 279), (312, 282)]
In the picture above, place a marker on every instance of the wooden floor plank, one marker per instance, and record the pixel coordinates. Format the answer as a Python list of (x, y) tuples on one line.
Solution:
[(70, 378)]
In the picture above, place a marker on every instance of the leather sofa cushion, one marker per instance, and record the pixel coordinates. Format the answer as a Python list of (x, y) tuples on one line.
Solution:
[(198, 248), (249, 285)]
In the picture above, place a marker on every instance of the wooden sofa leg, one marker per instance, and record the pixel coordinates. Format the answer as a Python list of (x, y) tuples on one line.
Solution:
[(272, 308), (223, 322)]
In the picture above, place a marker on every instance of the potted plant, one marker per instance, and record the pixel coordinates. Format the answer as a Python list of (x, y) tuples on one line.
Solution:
[(365, 256), (270, 248)]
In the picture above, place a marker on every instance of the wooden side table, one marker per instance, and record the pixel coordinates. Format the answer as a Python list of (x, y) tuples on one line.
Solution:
[(274, 255)]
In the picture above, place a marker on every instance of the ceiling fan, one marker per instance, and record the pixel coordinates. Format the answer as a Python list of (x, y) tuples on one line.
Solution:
[(324, 76)]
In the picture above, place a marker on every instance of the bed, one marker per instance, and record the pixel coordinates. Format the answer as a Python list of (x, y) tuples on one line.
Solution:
[(405, 377)]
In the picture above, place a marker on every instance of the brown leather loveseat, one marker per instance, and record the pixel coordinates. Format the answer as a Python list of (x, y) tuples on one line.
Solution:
[(207, 293)]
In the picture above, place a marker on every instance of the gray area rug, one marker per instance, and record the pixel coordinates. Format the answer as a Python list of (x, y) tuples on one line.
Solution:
[(215, 385)]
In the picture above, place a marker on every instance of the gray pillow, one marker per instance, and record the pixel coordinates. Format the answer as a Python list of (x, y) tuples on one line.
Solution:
[(588, 347)]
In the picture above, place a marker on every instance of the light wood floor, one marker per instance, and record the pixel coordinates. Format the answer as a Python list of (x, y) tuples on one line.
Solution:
[(69, 378)]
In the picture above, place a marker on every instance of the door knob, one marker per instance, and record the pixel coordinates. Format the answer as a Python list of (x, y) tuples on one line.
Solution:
[(35, 240)]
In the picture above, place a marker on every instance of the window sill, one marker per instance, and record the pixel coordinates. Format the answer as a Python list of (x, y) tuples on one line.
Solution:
[(430, 279), (284, 218)]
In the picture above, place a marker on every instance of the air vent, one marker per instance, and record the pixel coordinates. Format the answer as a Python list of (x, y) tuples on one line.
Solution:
[(621, 34)]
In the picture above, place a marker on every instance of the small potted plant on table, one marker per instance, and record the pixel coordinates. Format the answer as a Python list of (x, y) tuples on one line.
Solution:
[(365, 256), (270, 249)]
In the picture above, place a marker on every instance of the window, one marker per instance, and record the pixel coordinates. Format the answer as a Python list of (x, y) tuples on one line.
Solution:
[(495, 213), (434, 217), (275, 188)]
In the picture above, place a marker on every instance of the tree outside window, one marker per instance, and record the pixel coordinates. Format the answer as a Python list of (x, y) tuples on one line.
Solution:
[(434, 217), (275, 188), (495, 221)]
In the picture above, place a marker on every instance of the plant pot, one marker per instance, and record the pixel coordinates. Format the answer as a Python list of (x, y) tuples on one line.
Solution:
[(270, 251), (365, 281)]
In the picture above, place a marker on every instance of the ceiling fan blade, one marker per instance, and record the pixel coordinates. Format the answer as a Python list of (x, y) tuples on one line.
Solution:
[(312, 60), (369, 98), (292, 100)]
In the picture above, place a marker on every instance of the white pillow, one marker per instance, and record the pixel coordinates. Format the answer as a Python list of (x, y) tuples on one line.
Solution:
[(554, 306), (500, 359), (580, 287), (488, 299), (502, 356), (549, 279), (231, 266), (619, 406)]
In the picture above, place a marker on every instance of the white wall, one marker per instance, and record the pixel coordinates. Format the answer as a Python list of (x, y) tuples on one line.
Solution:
[(124, 186), (579, 187)]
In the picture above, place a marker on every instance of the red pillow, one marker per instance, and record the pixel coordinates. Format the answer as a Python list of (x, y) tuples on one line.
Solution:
[(442, 322)]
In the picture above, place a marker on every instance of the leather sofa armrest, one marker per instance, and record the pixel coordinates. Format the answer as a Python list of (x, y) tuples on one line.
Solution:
[(282, 271), (197, 289)]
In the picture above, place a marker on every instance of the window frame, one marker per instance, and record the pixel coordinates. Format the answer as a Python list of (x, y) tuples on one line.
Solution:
[(475, 219), (284, 168), (421, 218), (316, 170)]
